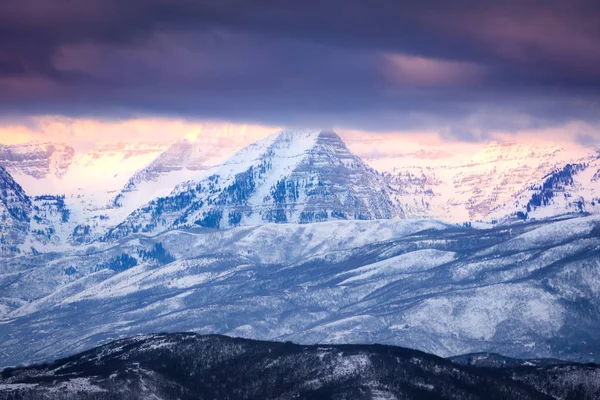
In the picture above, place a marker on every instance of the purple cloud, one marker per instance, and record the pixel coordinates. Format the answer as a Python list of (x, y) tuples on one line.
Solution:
[(390, 65)]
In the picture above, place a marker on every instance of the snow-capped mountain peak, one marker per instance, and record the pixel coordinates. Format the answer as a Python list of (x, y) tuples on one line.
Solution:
[(291, 176)]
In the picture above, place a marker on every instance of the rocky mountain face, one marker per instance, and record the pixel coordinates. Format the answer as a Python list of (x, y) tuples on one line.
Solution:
[(188, 366), (573, 188), (183, 155), (37, 160), (15, 214), (297, 177), (496, 184)]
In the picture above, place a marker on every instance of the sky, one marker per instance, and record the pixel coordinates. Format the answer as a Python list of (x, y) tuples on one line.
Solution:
[(460, 71)]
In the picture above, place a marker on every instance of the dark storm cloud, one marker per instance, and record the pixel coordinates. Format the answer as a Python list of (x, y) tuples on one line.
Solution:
[(367, 64)]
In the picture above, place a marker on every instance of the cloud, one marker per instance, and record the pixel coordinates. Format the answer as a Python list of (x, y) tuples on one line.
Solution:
[(391, 65), (560, 37), (23, 87), (420, 71), (573, 133), (586, 139), (467, 135)]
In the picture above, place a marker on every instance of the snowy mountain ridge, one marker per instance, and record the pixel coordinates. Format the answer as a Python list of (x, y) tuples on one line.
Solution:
[(491, 185), (181, 161), (291, 176), (117, 189)]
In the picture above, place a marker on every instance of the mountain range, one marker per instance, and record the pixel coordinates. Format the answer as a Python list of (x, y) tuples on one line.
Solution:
[(295, 237), (290, 177)]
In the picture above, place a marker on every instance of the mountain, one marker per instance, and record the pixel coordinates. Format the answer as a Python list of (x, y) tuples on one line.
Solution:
[(188, 366), (58, 169), (181, 161), (490, 185), (525, 290), (15, 214), (296, 238), (110, 187), (297, 177), (29, 224), (178, 163), (574, 188), (503, 181), (100, 186), (71, 190), (37, 160)]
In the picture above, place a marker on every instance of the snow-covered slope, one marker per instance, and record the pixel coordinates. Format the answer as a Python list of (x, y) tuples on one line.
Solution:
[(71, 191), (527, 290), (183, 160), (290, 176), (179, 163), (484, 187), (573, 188), (15, 214)]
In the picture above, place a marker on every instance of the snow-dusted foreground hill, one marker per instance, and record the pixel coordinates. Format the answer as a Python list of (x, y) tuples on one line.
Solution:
[(528, 290), (188, 366)]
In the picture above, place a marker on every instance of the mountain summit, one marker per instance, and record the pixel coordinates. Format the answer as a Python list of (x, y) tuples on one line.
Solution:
[(291, 176)]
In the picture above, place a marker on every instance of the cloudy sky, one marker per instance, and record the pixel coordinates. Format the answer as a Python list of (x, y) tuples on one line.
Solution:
[(463, 70)]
